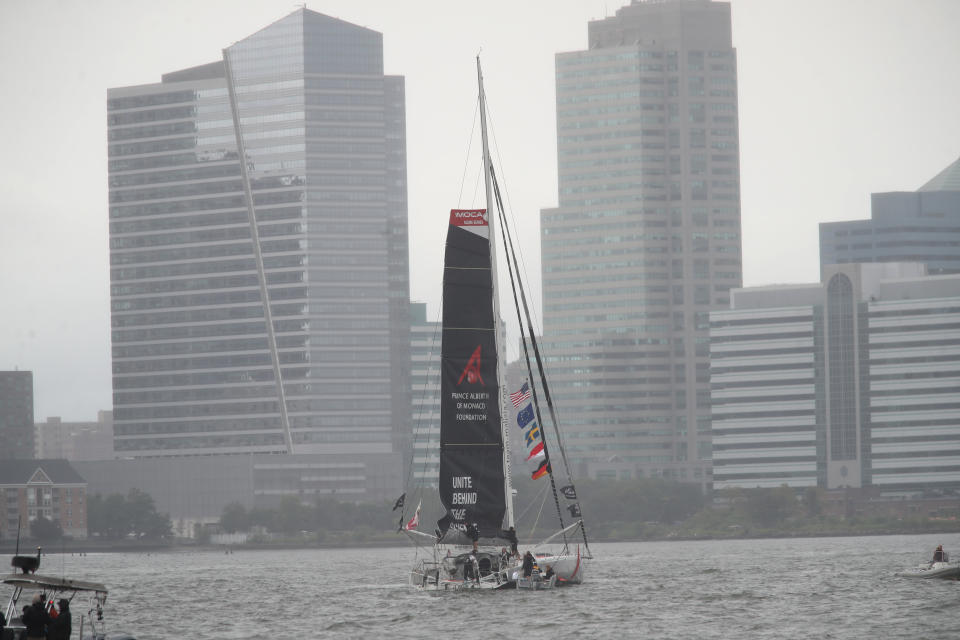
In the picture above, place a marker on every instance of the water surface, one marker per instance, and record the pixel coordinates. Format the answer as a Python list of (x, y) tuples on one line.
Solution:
[(788, 588)]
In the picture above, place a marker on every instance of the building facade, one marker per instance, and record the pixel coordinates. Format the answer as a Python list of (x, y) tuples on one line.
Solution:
[(196, 489), (850, 382), (50, 489), (907, 226), (76, 440), (278, 172), (16, 415), (425, 396), (646, 238)]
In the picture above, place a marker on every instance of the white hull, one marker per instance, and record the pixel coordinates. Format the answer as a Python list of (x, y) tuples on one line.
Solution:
[(944, 570), (431, 576), (568, 568)]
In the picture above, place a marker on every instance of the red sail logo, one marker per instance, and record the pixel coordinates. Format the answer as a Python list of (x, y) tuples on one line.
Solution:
[(472, 371)]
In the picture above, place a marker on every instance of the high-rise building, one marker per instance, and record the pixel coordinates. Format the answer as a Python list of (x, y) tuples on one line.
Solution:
[(916, 226), (277, 172), (850, 382), (16, 415), (425, 395), (646, 238)]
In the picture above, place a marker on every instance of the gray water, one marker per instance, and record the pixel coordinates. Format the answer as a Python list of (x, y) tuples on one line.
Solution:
[(800, 588)]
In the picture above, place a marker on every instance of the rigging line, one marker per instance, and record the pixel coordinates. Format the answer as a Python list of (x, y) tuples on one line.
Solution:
[(466, 162), (530, 506), (539, 513), (511, 265), (521, 264), (508, 246)]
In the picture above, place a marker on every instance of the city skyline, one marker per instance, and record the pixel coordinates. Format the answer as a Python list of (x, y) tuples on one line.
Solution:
[(815, 78)]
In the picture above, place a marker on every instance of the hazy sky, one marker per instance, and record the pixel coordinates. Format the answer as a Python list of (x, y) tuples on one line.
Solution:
[(838, 99)]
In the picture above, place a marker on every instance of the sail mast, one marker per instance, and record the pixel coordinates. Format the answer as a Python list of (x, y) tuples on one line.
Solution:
[(501, 360)]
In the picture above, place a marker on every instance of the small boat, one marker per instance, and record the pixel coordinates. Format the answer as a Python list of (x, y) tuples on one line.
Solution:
[(468, 548), (537, 582), (84, 596), (943, 570)]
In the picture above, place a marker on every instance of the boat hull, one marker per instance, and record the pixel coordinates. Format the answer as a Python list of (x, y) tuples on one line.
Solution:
[(432, 582), (568, 568), (941, 570)]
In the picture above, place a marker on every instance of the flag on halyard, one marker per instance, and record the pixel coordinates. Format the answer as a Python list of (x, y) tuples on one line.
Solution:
[(521, 396), (541, 471), (415, 520), (569, 492), (532, 438), (574, 510), (399, 503)]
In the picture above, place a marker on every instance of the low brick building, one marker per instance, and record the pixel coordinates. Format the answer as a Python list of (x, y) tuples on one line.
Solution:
[(49, 488)]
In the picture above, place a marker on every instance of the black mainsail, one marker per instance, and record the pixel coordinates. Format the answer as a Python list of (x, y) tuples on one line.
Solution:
[(471, 441)]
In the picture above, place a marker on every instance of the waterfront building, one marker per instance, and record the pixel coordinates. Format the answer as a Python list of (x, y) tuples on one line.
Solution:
[(277, 172), (904, 226), (849, 382), (196, 489), (16, 415), (645, 239), (76, 440), (50, 489)]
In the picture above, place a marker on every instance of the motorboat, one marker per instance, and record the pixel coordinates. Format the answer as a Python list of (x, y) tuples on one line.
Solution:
[(87, 600), (944, 570)]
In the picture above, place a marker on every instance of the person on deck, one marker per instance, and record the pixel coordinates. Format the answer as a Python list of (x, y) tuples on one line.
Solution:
[(512, 537), (504, 558), (527, 564), (60, 626), (476, 566), (35, 619), (549, 572), (939, 555)]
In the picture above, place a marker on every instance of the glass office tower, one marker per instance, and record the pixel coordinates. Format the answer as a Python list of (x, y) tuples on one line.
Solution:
[(646, 238), (281, 169)]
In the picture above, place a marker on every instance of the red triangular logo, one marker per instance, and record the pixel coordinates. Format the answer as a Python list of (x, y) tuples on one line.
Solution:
[(472, 371)]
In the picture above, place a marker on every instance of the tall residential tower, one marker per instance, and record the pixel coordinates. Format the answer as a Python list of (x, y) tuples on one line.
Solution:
[(276, 172), (646, 238)]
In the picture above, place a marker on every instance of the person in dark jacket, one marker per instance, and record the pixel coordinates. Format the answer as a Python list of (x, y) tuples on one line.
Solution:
[(527, 564), (512, 537), (36, 619), (938, 554), (60, 626)]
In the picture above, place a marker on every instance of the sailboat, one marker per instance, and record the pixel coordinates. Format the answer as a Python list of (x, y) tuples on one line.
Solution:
[(475, 543)]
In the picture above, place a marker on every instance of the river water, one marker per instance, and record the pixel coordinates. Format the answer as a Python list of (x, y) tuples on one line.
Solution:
[(796, 588)]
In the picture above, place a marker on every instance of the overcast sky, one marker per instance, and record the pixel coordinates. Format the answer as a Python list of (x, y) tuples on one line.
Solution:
[(838, 99)]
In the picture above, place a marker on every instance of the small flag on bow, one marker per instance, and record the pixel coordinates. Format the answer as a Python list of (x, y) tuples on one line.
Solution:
[(399, 504), (569, 492), (574, 510)]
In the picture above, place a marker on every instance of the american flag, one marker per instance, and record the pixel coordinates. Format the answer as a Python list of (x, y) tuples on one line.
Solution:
[(519, 397)]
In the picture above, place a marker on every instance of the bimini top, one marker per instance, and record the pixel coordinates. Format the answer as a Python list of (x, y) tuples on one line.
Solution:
[(32, 581)]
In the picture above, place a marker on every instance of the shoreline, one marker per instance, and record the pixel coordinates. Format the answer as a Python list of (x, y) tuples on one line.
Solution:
[(183, 546)]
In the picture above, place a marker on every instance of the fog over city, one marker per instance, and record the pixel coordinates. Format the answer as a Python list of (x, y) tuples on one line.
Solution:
[(837, 100)]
